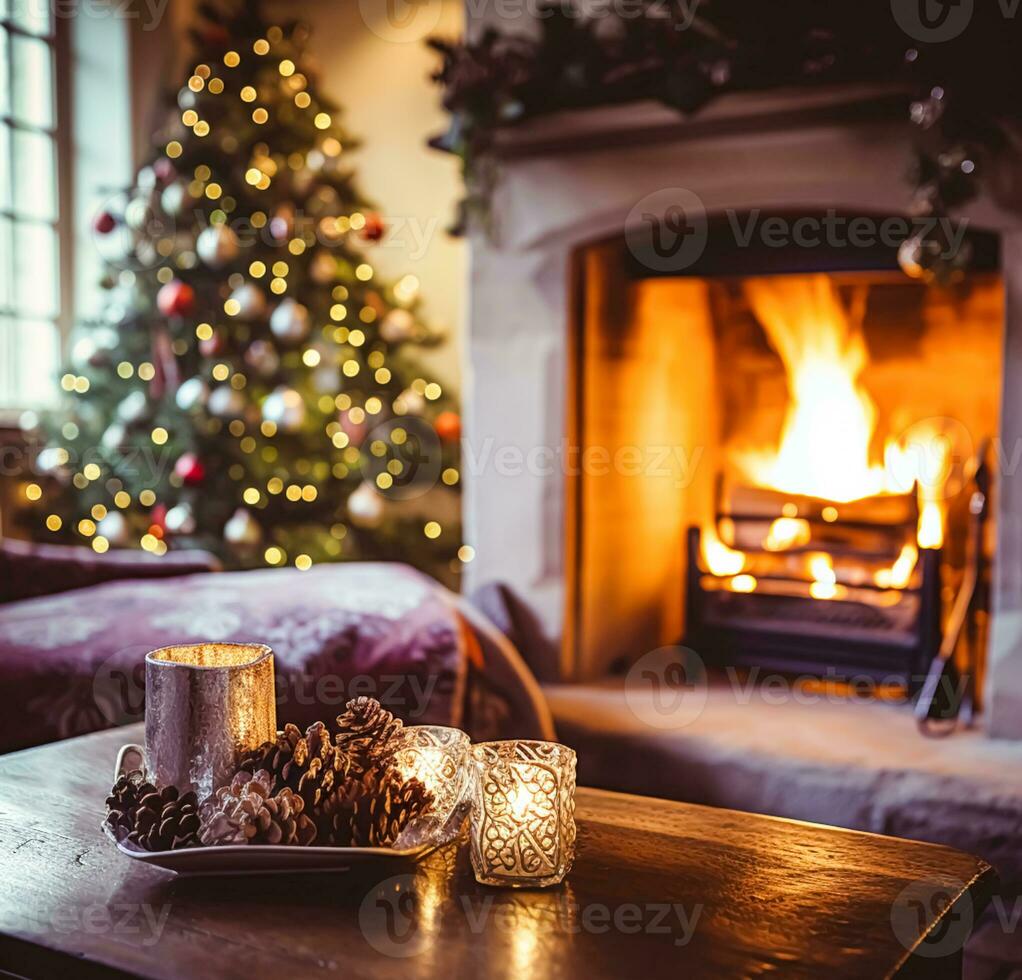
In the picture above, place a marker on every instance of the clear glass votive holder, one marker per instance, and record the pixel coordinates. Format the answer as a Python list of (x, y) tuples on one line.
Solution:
[(523, 813), (439, 758)]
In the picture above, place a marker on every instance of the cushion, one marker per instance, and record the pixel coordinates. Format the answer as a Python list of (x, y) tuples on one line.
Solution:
[(28, 570), (74, 662)]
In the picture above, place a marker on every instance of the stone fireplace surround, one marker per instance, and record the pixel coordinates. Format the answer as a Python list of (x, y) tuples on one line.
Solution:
[(573, 179)]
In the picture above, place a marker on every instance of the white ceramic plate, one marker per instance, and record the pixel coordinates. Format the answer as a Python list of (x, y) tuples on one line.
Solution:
[(259, 859)]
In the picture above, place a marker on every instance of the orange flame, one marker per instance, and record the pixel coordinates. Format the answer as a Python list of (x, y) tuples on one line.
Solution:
[(824, 449)]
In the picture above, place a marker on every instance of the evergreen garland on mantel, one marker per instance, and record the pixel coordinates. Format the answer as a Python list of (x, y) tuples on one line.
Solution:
[(685, 54)]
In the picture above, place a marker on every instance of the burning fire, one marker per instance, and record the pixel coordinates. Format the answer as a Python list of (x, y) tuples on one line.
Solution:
[(824, 450), (717, 556)]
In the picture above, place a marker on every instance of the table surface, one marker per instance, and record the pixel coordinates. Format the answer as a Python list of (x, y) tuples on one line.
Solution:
[(658, 889)]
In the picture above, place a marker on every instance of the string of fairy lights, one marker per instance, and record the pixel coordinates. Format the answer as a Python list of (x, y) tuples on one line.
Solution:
[(272, 370)]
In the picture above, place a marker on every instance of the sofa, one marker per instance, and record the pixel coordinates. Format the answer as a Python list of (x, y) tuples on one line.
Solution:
[(75, 628)]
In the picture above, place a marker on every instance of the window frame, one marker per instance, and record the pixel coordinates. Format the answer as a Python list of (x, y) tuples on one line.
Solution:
[(58, 39)]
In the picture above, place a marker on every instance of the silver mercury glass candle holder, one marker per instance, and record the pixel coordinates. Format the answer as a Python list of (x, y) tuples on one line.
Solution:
[(206, 705)]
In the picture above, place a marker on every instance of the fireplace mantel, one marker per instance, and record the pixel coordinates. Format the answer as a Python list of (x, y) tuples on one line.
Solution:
[(648, 122), (574, 180)]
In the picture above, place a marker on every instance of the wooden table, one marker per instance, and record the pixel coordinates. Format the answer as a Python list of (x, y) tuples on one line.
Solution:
[(658, 889)]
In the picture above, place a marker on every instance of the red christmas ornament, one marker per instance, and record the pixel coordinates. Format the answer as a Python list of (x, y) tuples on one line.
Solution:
[(374, 228), (189, 467), (176, 298), (164, 170), (355, 431), (213, 346), (448, 426), (158, 516), (104, 223), (215, 35)]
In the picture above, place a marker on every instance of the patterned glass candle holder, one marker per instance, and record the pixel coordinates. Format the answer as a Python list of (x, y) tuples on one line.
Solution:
[(206, 705), (523, 814), (438, 757)]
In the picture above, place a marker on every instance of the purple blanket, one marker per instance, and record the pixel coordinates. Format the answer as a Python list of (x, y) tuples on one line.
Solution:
[(73, 662)]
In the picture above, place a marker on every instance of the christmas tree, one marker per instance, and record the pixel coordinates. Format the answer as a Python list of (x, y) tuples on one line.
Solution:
[(251, 387)]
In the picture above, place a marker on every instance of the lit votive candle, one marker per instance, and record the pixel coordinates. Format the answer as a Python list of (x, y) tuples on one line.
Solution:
[(437, 757), (523, 814)]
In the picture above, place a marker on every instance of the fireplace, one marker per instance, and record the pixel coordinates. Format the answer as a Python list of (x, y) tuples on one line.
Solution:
[(773, 465), (768, 453)]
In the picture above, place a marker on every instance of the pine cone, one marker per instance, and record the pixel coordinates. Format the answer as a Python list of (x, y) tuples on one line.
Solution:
[(154, 820), (372, 811), (123, 802), (308, 764), (367, 734), (247, 812), (287, 757)]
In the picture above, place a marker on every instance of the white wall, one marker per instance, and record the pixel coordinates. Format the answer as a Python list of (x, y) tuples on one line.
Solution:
[(378, 69)]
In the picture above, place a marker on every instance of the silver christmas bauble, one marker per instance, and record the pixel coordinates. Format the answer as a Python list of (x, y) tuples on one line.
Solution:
[(323, 268), (50, 459), (396, 326), (114, 527), (285, 409), (290, 322), (226, 403), (262, 357), (137, 214), (251, 302), (217, 245), (191, 394), (326, 379), (180, 519), (243, 530), (176, 199), (145, 179), (132, 407), (365, 507), (409, 402), (95, 347), (114, 436)]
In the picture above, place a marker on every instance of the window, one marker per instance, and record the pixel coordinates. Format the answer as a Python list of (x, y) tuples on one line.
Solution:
[(30, 229)]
